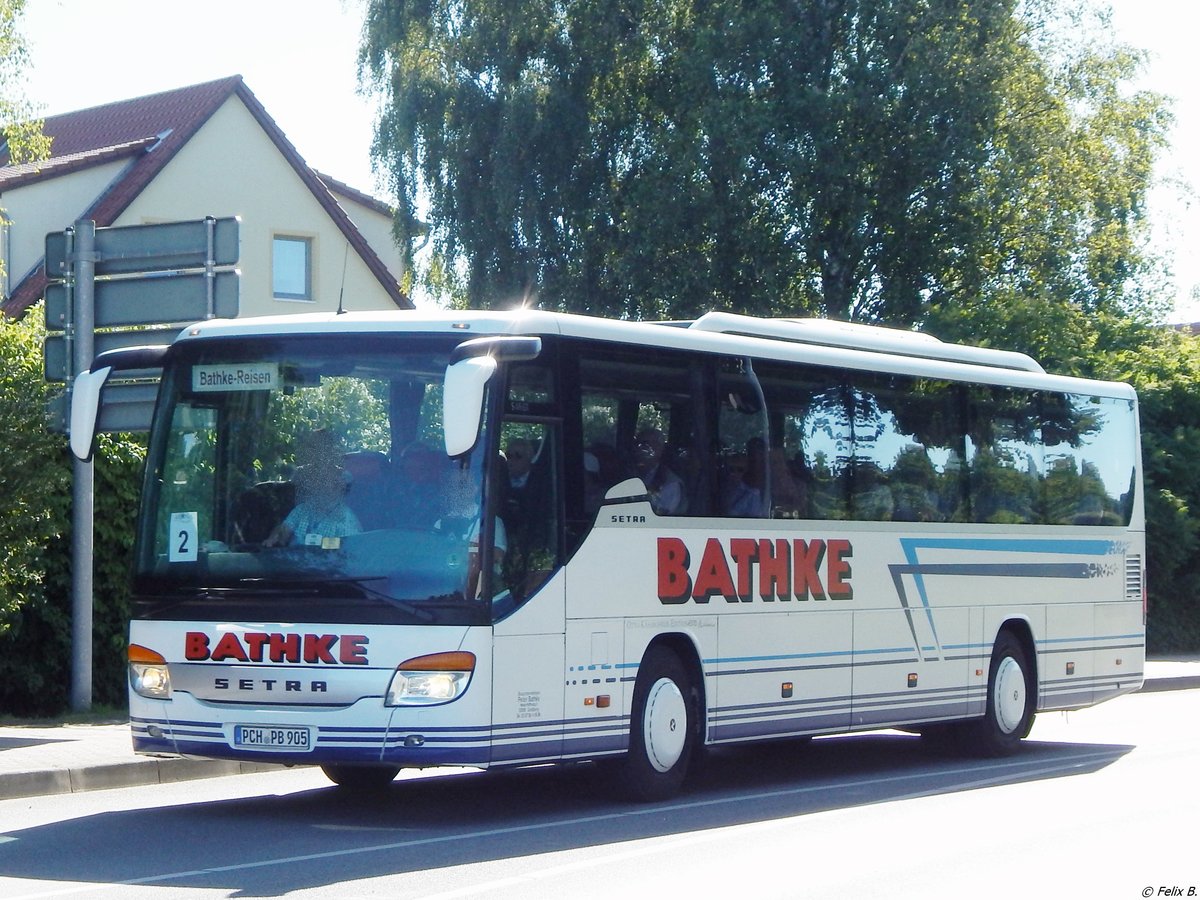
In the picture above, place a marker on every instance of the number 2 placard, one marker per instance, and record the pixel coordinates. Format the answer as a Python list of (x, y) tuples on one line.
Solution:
[(183, 540)]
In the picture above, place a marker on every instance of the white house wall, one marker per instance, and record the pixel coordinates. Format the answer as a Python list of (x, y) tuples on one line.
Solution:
[(376, 228), (231, 168), (35, 210)]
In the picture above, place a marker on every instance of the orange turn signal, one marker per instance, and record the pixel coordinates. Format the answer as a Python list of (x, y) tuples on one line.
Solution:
[(140, 654), (451, 661)]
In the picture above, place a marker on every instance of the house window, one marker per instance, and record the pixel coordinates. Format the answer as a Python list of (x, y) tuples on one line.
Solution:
[(292, 268)]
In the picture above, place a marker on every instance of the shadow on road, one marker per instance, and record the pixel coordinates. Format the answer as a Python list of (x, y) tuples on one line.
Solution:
[(13, 743), (269, 845)]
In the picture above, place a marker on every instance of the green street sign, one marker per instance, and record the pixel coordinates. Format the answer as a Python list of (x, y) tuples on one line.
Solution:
[(152, 300), (129, 249)]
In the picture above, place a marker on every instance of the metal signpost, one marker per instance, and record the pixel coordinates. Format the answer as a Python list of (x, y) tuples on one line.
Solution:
[(139, 275)]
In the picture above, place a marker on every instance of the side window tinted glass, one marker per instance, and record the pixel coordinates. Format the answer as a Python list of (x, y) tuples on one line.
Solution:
[(1004, 456), (639, 421), (743, 473), (526, 498), (1090, 469)]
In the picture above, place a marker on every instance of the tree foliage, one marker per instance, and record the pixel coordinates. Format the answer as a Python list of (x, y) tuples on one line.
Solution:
[(35, 540), (1164, 366), (850, 158), (21, 130), (34, 480)]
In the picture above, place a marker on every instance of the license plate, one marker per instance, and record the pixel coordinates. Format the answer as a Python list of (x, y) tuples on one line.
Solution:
[(271, 737)]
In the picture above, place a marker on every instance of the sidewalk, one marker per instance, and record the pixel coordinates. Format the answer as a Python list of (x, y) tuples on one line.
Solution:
[(63, 759)]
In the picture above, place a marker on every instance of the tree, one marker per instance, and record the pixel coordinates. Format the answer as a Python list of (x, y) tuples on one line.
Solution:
[(1164, 366), (35, 479), (22, 130), (35, 557), (1061, 250), (857, 159), (26, 488)]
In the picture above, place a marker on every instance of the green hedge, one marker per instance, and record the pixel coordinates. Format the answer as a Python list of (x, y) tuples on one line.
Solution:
[(35, 541)]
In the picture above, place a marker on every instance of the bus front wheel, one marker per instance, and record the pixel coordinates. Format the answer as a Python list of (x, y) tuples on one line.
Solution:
[(1011, 700), (360, 777), (664, 728)]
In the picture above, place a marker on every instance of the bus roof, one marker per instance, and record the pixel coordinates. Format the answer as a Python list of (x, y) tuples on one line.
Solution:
[(853, 336), (816, 341)]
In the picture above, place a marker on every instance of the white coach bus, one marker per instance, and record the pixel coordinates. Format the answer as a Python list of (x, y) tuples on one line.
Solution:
[(370, 542)]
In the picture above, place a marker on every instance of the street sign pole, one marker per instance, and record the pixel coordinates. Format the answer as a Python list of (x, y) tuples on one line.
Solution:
[(157, 275), (210, 266), (83, 483)]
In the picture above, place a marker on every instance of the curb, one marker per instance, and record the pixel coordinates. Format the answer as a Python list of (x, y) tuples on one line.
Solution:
[(135, 773)]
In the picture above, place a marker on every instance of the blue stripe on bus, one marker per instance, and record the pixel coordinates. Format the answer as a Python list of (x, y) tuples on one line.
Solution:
[(1078, 547), (972, 646), (1071, 546)]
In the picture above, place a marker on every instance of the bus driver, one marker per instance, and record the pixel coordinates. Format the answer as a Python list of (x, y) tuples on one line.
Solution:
[(320, 510)]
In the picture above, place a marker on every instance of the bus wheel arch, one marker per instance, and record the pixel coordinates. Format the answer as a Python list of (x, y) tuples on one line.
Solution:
[(666, 722)]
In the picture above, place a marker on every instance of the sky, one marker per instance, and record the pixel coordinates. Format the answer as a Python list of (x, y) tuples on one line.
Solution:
[(299, 57)]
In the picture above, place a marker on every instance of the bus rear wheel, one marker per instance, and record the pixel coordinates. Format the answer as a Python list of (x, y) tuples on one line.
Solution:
[(1011, 701), (360, 777), (664, 729)]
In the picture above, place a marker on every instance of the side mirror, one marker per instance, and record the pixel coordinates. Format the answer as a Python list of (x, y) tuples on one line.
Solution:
[(86, 388), (462, 402), (85, 409), (472, 365)]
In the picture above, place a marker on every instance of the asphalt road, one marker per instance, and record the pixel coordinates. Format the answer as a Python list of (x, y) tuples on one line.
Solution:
[(1101, 803)]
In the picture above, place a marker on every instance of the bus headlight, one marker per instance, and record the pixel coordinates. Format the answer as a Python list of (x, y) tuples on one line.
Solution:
[(148, 674), (430, 680)]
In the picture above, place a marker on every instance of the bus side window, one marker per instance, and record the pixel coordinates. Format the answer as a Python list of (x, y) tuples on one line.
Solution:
[(639, 420), (1089, 473), (527, 503), (743, 435), (1005, 456)]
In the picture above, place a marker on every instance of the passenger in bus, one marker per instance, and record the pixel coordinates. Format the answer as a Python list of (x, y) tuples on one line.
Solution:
[(520, 491), (524, 492), (475, 562), (321, 483), (789, 494), (369, 476), (418, 494), (519, 455), (745, 488), (467, 507), (602, 469), (666, 489)]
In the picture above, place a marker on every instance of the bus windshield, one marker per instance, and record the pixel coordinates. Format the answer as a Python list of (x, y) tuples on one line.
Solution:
[(309, 476)]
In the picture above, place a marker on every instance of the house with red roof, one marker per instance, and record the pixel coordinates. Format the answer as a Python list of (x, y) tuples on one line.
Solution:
[(308, 242)]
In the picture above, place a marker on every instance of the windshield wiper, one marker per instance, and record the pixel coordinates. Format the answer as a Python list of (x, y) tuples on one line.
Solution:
[(407, 606)]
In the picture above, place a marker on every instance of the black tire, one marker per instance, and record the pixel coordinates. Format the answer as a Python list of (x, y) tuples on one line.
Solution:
[(360, 778), (1011, 701), (664, 729)]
